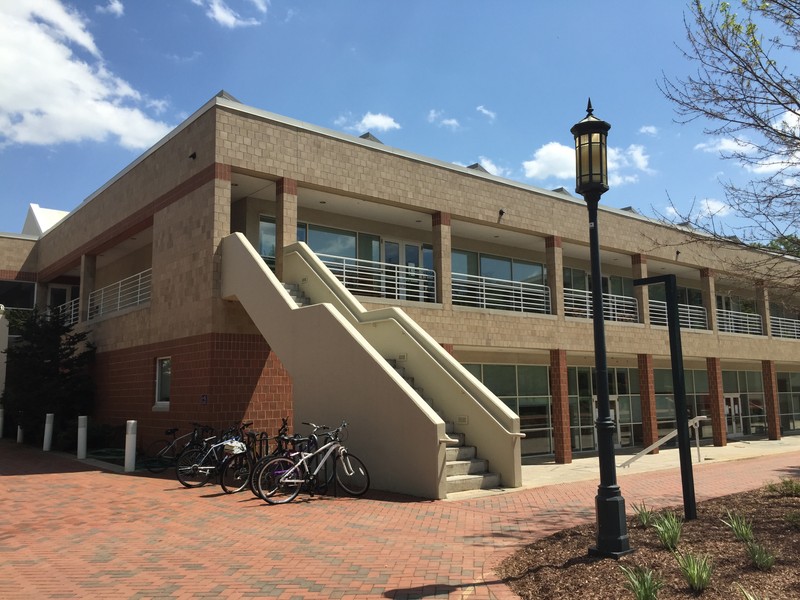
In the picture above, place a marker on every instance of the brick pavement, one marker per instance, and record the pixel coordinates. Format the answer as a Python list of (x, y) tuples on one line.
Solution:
[(70, 530)]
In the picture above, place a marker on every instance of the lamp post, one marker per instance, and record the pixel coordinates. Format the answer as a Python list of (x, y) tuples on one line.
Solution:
[(591, 182)]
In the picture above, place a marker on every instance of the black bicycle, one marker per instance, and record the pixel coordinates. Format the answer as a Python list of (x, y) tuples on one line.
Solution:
[(196, 466), (162, 454)]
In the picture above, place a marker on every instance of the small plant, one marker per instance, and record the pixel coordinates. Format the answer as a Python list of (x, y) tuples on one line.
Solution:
[(642, 582), (793, 519), (742, 528), (749, 595), (644, 514), (668, 526), (696, 569), (785, 487), (762, 558)]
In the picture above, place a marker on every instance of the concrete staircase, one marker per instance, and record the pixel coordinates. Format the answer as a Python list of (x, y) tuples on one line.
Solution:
[(294, 291), (463, 469)]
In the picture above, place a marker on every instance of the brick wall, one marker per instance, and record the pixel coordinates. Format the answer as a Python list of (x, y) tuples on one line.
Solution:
[(217, 379)]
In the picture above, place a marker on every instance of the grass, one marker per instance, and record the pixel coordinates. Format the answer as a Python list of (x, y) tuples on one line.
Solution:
[(786, 487), (642, 582), (668, 526), (696, 570), (645, 515), (740, 525), (762, 558)]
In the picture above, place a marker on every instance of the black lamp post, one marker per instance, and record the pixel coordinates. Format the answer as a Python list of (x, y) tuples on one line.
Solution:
[(591, 182)]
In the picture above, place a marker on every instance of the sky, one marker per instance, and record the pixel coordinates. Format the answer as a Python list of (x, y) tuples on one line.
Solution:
[(89, 85)]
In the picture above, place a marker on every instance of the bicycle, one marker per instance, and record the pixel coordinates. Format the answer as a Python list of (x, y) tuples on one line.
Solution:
[(161, 454), (236, 470), (281, 478), (195, 466)]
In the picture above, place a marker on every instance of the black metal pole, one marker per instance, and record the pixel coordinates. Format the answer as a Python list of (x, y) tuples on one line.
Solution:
[(612, 528), (679, 388)]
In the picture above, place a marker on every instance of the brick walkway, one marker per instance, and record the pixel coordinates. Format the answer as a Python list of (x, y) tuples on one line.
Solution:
[(69, 530)]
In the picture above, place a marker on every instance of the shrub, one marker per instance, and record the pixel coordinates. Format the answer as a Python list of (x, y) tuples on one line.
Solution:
[(696, 569), (785, 487), (668, 526), (742, 528), (642, 582), (793, 519), (644, 514), (762, 558)]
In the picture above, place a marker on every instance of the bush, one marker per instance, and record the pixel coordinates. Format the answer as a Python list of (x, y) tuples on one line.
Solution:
[(785, 487), (696, 569), (642, 582), (762, 558), (793, 519), (742, 528), (668, 526)]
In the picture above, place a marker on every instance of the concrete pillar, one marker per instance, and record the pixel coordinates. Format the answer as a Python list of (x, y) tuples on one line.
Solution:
[(762, 307), (443, 258), (83, 428), (48, 432), (719, 428), (130, 446), (709, 290), (285, 220), (647, 394), (770, 377), (559, 393), (641, 292), (554, 262), (88, 275)]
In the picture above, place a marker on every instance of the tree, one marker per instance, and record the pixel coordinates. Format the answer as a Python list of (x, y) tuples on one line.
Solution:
[(48, 370), (749, 99)]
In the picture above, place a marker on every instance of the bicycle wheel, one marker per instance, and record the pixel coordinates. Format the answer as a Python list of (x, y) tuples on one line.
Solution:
[(270, 486), (351, 474), (192, 468), (235, 473), (159, 456)]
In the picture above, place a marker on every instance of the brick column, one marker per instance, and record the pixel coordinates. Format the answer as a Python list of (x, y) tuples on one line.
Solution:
[(285, 220), (88, 271), (443, 258), (719, 428), (709, 290), (762, 307), (770, 376), (559, 393), (647, 394), (641, 292), (554, 261), (448, 348)]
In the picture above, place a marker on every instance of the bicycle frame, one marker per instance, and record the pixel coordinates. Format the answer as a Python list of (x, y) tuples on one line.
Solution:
[(328, 450)]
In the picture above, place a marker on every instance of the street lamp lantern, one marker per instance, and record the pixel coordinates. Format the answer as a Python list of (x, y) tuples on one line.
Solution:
[(591, 181)]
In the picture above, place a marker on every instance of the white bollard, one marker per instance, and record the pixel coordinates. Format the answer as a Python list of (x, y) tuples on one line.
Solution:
[(48, 432), (82, 426), (130, 447), (19, 434)]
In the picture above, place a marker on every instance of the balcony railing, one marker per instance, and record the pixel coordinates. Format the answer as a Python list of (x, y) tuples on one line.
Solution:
[(500, 294), (383, 280), (70, 310), (690, 317), (129, 292), (785, 328), (731, 321), (578, 303)]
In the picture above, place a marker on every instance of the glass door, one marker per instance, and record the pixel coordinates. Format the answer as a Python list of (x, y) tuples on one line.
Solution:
[(403, 283), (733, 416), (613, 402)]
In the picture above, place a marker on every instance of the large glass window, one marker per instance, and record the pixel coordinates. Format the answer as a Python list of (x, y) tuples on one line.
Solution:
[(17, 294), (789, 402), (163, 380)]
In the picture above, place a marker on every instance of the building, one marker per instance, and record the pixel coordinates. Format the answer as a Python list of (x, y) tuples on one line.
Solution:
[(250, 266)]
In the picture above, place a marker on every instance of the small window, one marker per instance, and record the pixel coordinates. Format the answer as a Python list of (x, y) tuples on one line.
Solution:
[(163, 380)]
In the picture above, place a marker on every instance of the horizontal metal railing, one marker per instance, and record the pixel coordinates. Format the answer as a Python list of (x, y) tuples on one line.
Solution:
[(384, 280), (500, 294), (578, 303), (731, 321), (70, 310), (690, 317), (785, 328), (128, 292)]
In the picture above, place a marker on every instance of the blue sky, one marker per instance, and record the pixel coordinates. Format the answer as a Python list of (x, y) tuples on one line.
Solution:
[(90, 85)]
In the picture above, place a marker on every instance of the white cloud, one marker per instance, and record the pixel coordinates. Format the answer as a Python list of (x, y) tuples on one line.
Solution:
[(114, 7), (221, 13), (708, 207), (720, 145), (261, 5), (434, 115), (437, 117), (62, 91), (493, 168), (369, 122), (486, 112), (551, 160), (648, 130)]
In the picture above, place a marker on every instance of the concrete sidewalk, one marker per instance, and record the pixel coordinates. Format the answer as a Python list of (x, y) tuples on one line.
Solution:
[(72, 530)]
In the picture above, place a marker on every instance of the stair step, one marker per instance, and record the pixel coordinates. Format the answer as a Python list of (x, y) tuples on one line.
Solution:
[(294, 291), (473, 466), (454, 453), (463, 483), (458, 439)]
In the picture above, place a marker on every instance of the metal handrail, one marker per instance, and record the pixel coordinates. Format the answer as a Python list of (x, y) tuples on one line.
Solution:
[(695, 422), (70, 309), (131, 291), (385, 280), (501, 294), (785, 328), (578, 303), (731, 321), (690, 317)]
